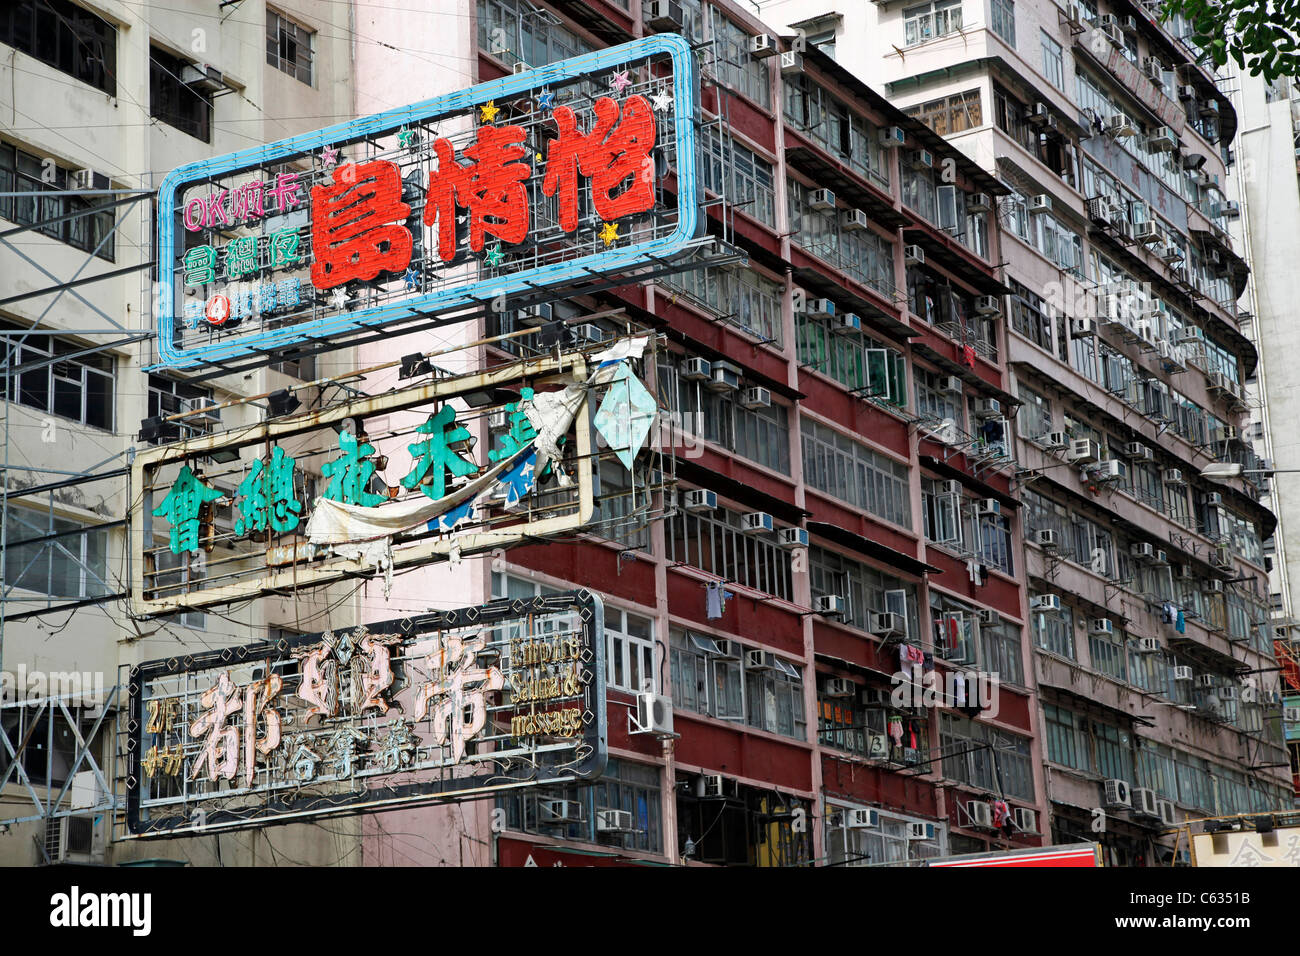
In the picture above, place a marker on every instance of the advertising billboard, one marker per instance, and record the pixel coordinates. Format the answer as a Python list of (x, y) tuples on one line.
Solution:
[(520, 187), (443, 706)]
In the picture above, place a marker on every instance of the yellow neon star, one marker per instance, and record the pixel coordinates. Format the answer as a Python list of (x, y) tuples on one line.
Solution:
[(488, 111), (609, 233)]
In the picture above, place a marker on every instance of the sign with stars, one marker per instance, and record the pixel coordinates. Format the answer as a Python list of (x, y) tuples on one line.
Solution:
[(451, 705), (537, 184)]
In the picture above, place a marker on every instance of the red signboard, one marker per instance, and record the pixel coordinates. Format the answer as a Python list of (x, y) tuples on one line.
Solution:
[(1077, 854)]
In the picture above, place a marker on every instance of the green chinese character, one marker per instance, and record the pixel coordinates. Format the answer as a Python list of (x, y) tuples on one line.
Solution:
[(521, 430), (284, 248), (349, 475), (182, 508), (200, 265), (434, 456), (267, 495), (241, 257)]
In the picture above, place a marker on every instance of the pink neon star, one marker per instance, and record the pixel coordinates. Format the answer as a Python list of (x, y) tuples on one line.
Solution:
[(619, 81), (329, 156)]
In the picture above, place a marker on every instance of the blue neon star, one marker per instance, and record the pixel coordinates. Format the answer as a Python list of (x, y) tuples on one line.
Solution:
[(412, 278), (546, 100)]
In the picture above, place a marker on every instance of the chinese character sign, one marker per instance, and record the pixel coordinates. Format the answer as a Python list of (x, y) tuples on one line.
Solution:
[(509, 693), (512, 186)]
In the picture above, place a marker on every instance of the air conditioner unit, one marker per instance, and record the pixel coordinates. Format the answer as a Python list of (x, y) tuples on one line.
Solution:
[(1182, 673), (978, 202), (1040, 204), (1082, 450), (792, 538), (756, 522), (1166, 810), (763, 46), (559, 811), (1205, 681), (1209, 108), (1186, 92), (1118, 793), (1047, 539), (913, 256), (1170, 252), (1154, 69), (759, 661), (1229, 209), (1038, 115), (201, 76), (893, 136), (756, 397), (980, 813), (1138, 451), (951, 385), (1291, 715), (1184, 572), (988, 506), (1101, 627), (1114, 34), (519, 66), (728, 650), (920, 159), (920, 831), (1144, 551), (875, 697), (665, 16), (1148, 645), (822, 199), (697, 370), (1057, 440), (1046, 602), (791, 63), (587, 332), (1148, 232), (1163, 140), (1161, 559), (847, 324), (829, 605), (715, 785), (952, 488), (1082, 328), (1112, 469), (700, 499), (858, 818), (75, 839), (839, 687), (987, 408), (1227, 692), (1120, 126), (1213, 499), (989, 617), (987, 305), (855, 220), (819, 308), (1144, 802), (654, 714), (1026, 820), (1188, 335), (81, 179), (614, 821), (725, 377), (1214, 584), (888, 625)]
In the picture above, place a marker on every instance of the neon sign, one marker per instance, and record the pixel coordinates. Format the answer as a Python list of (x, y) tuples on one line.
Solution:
[(537, 181)]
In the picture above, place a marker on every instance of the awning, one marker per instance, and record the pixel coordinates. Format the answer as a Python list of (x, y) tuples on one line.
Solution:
[(1211, 239), (951, 471), (694, 473), (952, 367), (872, 549), (873, 313), (845, 183), (1092, 703)]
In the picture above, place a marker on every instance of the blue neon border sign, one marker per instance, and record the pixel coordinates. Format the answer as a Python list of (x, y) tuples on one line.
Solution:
[(683, 79)]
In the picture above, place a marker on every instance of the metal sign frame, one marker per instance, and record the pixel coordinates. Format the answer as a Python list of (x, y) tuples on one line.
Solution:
[(543, 759), (303, 571), (341, 325)]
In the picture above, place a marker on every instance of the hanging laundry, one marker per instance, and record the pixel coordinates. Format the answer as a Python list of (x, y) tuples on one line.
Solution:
[(715, 600), (1181, 624), (927, 661), (968, 355), (912, 735), (896, 730), (959, 689), (1001, 813)]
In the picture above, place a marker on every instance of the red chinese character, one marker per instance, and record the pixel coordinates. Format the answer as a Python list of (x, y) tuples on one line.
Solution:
[(491, 188), (614, 150), (350, 235)]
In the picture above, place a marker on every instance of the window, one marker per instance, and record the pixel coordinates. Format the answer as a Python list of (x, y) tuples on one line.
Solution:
[(73, 565), (716, 544), (624, 785), (1003, 21), (79, 389), (174, 101), (1053, 630), (864, 255), (177, 574), (1000, 653), (629, 651), (887, 843), (718, 678), (1109, 655), (171, 397), (950, 114), (1066, 738), (930, 20), (67, 37), (1035, 417), (746, 297), (290, 47), (23, 172), (735, 67), (987, 757), (512, 31), (868, 367), (865, 590), (843, 468), (1053, 62), (941, 501), (729, 168), (834, 126)]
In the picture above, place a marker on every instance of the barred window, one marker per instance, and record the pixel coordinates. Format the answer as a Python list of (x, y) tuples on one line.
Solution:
[(731, 169), (829, 122), (80, 389), (511, 31), (1002, 765), (865, 590), (950, 114), (865, 256), (73, 565), (290, 46), (721, 679), (23, 172), (169, 396), (715, 543), (735, 66), (744, 297), (867, 366), (843, 468)]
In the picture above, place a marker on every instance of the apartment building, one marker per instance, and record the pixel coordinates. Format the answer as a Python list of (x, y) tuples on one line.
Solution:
[(100, 100), (1149, 601)]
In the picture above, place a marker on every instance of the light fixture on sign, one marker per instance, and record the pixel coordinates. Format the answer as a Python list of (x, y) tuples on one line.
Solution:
[(413, 365), (282, 402)]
